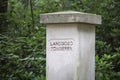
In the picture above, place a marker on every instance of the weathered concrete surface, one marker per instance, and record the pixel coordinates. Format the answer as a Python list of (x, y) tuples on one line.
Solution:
[(70, 17), (70, 45)]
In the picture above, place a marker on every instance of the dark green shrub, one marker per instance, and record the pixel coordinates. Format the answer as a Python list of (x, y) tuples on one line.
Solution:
[(108, 66)]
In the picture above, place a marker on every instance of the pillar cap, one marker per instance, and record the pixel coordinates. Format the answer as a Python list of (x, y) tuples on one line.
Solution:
[(70, 17)]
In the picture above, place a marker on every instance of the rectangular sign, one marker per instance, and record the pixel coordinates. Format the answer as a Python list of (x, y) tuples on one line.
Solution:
[(61, 45)]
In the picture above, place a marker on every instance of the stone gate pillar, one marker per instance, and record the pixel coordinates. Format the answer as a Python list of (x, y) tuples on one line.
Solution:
[(70, 48)]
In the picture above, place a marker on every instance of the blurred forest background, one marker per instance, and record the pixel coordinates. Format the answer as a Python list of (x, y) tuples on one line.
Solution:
[(22, 37)]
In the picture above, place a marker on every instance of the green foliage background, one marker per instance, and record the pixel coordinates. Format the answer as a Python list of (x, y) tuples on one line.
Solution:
[(22, 46)]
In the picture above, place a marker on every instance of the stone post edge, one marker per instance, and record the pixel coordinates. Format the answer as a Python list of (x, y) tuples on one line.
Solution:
[(70, 17)]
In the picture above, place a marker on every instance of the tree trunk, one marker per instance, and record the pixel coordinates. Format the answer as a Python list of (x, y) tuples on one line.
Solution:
[(3, 10)]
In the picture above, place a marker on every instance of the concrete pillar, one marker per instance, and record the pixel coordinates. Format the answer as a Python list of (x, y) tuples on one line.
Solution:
[(70, 47)]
